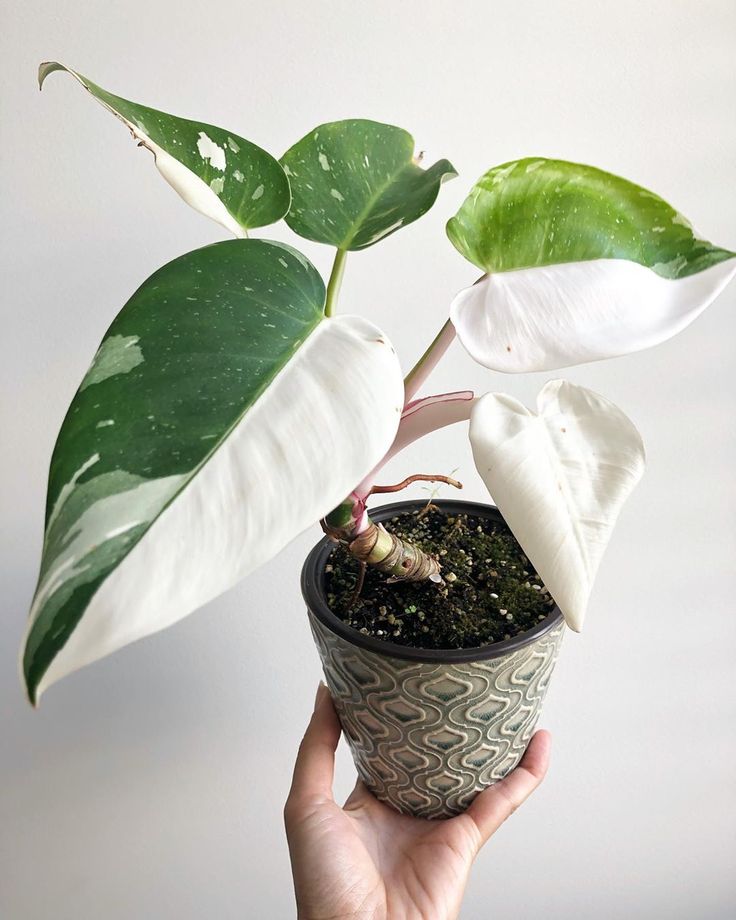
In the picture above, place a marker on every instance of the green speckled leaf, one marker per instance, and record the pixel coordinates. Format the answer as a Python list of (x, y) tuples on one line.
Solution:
[(536, 212), (218, 173), (354, 182), (211, 428)]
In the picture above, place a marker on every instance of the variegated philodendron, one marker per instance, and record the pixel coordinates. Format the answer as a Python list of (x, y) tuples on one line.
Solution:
[(227, 408)]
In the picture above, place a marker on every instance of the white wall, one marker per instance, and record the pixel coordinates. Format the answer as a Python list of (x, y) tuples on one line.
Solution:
[(151, 784)]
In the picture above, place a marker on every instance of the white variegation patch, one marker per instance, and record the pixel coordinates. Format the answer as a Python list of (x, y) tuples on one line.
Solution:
[(116, 497), (67, 488), (191, 189), (212, 152), (544, 318), (118, 354), (559, 477), (386, 230), (323, 422)]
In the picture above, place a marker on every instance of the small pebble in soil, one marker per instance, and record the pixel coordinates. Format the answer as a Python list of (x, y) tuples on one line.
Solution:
[(480, 597)]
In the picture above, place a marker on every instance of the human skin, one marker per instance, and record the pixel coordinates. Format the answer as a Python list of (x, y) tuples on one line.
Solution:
[(365, 861)]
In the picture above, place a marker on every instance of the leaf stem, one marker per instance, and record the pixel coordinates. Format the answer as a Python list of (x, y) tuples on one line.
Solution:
[(333, 285), (426, 364)]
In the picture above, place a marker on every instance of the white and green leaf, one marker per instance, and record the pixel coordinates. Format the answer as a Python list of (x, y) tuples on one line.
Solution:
[(222, 415), (216, 172), (354, 182), (559, 477), (581, 265)]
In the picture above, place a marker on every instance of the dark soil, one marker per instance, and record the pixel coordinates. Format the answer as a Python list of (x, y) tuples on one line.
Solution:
[(489, 591)]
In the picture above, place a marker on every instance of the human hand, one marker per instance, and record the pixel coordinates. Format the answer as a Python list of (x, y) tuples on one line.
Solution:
[(365, 861)]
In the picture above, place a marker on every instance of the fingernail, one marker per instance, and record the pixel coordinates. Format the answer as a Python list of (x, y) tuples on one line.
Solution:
[(321, 690)]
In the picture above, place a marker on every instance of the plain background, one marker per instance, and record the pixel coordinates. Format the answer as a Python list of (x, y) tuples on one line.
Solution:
[(151, 784)]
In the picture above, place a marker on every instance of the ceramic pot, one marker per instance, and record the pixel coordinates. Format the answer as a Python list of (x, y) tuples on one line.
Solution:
[(430, 728)]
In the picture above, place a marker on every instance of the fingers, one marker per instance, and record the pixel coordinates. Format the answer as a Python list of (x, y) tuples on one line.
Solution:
[(315, 762), (491, 808)]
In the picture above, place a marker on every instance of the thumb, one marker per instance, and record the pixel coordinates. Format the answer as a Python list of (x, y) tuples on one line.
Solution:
[(315, 762)]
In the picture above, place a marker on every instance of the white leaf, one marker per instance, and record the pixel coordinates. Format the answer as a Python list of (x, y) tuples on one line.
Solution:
[(552, 316), (559, 478), (297, 452)]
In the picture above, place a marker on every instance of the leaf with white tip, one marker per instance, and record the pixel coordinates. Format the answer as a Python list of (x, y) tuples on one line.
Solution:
[(222, 415), (216, 172), (582, 265), (559, 477), (354, 182)]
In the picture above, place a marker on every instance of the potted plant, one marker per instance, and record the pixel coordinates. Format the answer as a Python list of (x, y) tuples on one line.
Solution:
[(229, 407)]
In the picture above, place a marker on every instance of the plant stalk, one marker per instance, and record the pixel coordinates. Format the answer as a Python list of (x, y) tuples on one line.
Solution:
[(397, 558), (429, 360), (373, 545), (333, 285)]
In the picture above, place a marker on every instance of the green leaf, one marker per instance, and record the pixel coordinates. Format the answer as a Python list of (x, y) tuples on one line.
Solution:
[(215, 423), (581, 265), (217, 172), (354, 182), (535, 212)]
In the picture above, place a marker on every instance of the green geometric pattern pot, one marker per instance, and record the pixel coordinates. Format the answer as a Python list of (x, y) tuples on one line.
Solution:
[(430, 729)]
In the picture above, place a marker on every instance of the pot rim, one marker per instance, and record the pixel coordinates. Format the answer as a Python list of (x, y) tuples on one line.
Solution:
[(312, 584)]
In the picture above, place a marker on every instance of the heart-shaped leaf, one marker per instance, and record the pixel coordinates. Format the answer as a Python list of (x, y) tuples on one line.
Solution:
[(217, 172), (559, 478), (354, 182), (583, 265), (216, 422)]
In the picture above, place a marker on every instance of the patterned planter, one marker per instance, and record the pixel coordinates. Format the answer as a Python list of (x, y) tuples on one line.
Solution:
[(430, 729)]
